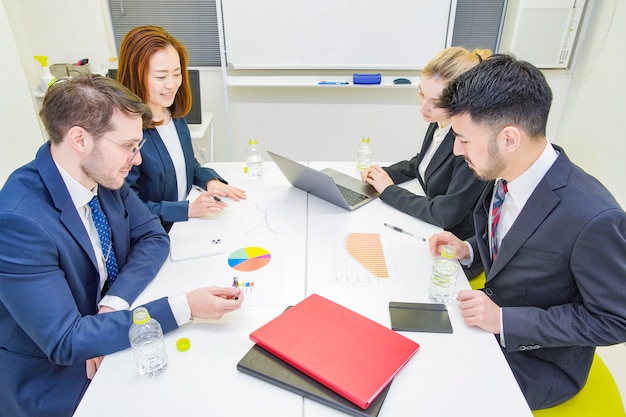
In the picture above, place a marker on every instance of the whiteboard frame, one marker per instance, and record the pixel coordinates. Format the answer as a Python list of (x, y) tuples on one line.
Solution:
[(357, 46)]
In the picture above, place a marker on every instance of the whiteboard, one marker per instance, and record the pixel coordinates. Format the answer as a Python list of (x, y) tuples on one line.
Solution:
[(333, 34)]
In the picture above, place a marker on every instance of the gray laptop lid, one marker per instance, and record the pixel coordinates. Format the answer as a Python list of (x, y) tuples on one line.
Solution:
[(325, 184)]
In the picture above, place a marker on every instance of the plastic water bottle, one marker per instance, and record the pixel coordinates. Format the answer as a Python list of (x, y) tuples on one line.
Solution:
[(443, 276), (254, 160), (146, 340), (364, 154)]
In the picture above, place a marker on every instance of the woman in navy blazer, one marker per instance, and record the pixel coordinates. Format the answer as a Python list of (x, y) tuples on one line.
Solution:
[(153, 64), (451, 190)]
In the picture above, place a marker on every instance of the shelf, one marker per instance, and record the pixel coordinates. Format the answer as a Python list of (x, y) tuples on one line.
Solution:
[(313, 81), (198, 131)]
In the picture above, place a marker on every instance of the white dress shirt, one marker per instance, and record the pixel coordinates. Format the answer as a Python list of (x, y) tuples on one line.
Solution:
[(519, 191), (438, 137), (80, 197), (170, 138)]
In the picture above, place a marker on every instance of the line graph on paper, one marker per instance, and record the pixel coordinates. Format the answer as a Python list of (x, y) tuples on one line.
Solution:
[(255, 217), (361, 259), (261, 216)]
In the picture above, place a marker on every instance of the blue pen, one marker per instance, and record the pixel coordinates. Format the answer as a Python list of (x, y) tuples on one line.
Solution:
[(332, 83)]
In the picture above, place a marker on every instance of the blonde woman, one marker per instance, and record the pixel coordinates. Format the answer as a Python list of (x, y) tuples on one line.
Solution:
[(451, 188)]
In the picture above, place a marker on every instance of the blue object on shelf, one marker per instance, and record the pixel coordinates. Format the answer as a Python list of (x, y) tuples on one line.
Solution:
[(367, 78)]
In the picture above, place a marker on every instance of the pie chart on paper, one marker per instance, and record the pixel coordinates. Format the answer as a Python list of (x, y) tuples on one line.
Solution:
[(249, 259)]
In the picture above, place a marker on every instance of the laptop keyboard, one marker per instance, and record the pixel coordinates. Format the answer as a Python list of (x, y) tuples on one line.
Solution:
[(352, 197)]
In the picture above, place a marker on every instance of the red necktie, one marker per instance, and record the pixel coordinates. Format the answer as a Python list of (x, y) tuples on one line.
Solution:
[(496, 210)]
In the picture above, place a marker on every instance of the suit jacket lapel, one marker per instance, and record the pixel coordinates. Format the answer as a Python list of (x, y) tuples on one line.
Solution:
[(540, 204), (170, 185), (187, 146), (537, 208), (481, 217), (68, 215), (441, 154), (428, 140)]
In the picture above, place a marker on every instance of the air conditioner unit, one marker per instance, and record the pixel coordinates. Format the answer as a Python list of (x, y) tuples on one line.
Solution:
[(543, 32)]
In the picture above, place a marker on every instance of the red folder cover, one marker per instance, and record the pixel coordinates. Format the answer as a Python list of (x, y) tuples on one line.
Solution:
[(352, 355)]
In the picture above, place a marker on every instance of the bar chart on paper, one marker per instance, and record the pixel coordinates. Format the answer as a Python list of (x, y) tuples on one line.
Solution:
[(360, 258), (367, 249)]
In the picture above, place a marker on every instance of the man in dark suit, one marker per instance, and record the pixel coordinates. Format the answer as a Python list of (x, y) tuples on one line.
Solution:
[(555, 257), (65, 291)]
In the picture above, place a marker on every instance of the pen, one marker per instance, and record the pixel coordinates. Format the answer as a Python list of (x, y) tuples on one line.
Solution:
[(332, 83), (216, 198), (398, 229)]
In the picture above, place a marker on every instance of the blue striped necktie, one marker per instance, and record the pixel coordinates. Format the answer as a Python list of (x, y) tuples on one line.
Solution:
[(496, 211), (104, 233)]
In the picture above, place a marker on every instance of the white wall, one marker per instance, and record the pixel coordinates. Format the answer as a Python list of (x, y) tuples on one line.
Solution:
[(593, 127), (20, 135), (315, 123)]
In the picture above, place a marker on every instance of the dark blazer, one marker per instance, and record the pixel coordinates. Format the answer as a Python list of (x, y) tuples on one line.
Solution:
[(560, 278), (49, 287), (154, 180), (451, 188)]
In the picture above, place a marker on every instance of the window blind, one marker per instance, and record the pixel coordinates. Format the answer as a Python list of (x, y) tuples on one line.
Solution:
[(193, 22), (478, 23)]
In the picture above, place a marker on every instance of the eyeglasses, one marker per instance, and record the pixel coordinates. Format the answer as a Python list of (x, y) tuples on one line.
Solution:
[(129, 147)]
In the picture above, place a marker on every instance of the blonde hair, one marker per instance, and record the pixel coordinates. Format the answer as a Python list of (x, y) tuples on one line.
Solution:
[(454, 61)]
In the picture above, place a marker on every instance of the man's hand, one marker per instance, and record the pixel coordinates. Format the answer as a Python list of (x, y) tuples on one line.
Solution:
[(214, 302), (477, 309), (92, 365), (437, 241)]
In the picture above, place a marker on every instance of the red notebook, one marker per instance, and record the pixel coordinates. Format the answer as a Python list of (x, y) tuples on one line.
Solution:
[(354, 356)]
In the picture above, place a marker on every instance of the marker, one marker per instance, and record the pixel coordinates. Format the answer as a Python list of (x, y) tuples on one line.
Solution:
[(333, 83), (236, 285), (397, 229), (216, 198)]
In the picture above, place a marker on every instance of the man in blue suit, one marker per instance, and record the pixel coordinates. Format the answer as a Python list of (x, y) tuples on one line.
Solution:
[(63, 304), (555, 256)]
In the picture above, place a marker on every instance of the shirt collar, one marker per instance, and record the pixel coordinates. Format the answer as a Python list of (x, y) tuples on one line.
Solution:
[(79, 194), (441, 132), (523, 186)]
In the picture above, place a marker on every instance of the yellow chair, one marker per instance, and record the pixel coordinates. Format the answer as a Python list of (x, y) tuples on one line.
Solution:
[(478, 281), (599, 397)]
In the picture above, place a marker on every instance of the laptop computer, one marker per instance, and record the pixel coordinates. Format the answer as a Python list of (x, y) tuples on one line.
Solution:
[(330, 185)]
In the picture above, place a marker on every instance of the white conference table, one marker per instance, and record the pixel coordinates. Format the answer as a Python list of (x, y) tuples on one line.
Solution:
[(463, 373)]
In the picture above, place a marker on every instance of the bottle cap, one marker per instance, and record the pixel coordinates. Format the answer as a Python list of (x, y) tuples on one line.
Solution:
[(183, 344), (448, 252), (252, 141), (42, 59), (141, 315), (365, 139)]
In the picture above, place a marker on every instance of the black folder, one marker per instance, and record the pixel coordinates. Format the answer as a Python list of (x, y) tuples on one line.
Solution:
[(262, 364), (420, 317)]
